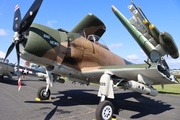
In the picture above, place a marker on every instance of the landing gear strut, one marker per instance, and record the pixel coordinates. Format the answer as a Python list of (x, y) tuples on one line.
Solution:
[(44, 92), (104, 110)]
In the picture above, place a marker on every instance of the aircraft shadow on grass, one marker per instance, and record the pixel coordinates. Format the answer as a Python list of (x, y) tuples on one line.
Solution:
[(142, 104)]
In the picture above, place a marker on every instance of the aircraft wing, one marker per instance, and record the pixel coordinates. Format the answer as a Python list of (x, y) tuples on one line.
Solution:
[(155, 74), (90, 24)]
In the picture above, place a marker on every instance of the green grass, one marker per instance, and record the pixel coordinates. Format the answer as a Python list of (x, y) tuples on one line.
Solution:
[(169, 89)]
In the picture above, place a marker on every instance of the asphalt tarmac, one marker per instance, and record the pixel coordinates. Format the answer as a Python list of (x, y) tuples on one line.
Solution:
[(77, 102)]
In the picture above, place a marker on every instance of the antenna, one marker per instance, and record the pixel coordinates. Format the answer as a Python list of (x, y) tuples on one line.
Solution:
[(142, 13), (132, 2)]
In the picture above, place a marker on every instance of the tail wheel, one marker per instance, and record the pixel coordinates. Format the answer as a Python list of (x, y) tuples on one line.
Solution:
[(42, 93), (104, 110)]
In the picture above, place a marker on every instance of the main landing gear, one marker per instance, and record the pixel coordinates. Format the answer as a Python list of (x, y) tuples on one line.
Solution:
[(105, 109), (42, 94)]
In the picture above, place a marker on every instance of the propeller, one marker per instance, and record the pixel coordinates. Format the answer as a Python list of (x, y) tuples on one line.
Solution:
[(19, 27)]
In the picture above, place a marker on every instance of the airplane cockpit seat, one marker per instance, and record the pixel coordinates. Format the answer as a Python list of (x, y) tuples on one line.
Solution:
[(94, 38)]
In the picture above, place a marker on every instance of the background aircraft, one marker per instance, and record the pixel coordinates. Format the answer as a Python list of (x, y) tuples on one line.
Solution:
[(79, 56), (10, 69), (6, 69), (31, 69)]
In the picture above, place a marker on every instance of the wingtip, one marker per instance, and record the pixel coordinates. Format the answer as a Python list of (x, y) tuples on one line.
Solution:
[(113, 8)]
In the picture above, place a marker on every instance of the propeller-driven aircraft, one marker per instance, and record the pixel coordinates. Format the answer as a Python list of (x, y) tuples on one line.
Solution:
[(35, 71), (79, 56), (6, 69), (10, 69)]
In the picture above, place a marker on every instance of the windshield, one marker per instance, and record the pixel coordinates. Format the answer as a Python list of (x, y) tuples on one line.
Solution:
[(96, 39)]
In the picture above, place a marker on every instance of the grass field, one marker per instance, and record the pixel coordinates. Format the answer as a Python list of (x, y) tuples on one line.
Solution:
[(169, 89)]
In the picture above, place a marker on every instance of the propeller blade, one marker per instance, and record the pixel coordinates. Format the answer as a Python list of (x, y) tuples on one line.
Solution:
[(17, 19), (30, 15), (9, 50), (18, 58), (19, 84)]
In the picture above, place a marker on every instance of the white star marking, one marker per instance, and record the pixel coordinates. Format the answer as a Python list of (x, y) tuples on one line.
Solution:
[(25, 71)]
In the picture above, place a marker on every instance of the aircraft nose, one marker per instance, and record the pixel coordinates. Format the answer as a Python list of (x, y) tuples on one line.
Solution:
[(45, 42), (41, 39)]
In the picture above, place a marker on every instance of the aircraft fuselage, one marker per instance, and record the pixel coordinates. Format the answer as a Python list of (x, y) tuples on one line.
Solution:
[(67, 54)]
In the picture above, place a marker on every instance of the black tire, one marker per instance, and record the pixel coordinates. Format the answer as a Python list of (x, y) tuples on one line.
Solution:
[(41, 95), (1, 76), (104, 110)]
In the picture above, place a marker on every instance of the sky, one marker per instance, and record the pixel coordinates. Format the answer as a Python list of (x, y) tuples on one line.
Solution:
[(66, 14)]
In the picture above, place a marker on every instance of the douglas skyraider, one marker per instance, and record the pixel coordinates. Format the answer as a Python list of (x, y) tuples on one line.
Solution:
[(79, 56)]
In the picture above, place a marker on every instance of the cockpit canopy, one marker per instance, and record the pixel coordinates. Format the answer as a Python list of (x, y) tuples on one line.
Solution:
[(91, 28), (96, 40), (90, 25), (93, 38)]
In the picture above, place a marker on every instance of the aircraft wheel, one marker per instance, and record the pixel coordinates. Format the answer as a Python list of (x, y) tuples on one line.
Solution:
[(104, 110), (41, 93), (1, 76)]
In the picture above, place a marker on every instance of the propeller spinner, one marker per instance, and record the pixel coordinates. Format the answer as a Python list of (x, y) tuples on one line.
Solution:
[(19, 27)]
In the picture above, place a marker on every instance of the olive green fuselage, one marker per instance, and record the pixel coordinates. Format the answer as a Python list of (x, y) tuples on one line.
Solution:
[(58, 49)]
